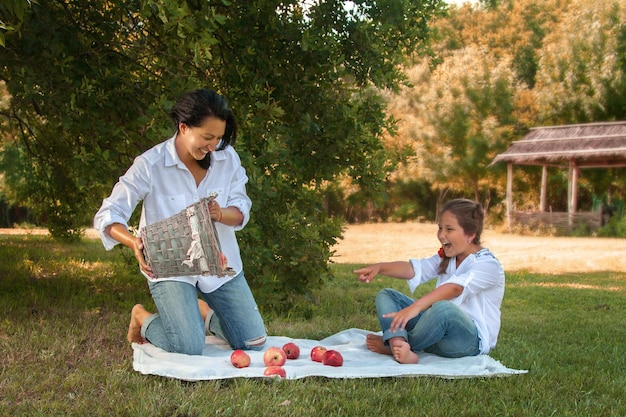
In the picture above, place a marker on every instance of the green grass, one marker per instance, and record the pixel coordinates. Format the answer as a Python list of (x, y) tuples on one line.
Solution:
[(64, 313)]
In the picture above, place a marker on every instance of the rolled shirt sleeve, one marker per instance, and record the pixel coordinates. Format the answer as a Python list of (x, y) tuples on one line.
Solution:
[(166, 187)]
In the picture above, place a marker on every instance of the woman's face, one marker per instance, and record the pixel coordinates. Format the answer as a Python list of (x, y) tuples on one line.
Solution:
[(199, 141), (453, 238)]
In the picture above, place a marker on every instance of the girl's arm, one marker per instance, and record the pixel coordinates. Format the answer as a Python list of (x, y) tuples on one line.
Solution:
[(399, 269)]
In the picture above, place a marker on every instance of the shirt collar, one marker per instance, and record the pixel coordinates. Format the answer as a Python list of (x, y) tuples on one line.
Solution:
[(172, 157)]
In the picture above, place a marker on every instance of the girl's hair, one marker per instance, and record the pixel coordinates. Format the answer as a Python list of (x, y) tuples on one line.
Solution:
[(470, 216), (195, 106)]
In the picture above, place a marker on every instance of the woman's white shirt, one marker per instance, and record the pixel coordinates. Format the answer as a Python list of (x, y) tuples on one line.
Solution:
[(162, 181)]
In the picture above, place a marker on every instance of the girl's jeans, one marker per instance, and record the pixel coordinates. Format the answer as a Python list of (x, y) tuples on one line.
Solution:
[(178, 326), (443, 329)]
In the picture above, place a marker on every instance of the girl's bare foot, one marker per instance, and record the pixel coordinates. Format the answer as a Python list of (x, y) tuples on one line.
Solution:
[(137, 316), (402, 352), (375, 343)]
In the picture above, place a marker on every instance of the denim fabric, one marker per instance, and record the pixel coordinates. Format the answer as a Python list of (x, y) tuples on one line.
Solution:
[(443, 329), (237, 318), (178, 326)]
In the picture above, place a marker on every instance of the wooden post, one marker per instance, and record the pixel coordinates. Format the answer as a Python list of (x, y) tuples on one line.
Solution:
[(572, 192), (509, 194), (544, 189), (575, 189)]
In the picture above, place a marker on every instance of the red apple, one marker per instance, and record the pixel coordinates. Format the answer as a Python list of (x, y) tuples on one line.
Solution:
[(240, 359), (274, 356), (275, 370), (291, 350), (332, 358), (317, 353)]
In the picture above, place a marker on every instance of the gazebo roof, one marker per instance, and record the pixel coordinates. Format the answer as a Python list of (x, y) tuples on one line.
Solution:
[(588, 145)]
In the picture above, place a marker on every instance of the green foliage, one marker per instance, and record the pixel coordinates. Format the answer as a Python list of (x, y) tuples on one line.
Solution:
[(412, 200), (91, 81), (616, 227), (11, 16)]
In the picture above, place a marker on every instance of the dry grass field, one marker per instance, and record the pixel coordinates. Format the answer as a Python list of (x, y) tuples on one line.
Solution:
[(369, 243), (376, 242)]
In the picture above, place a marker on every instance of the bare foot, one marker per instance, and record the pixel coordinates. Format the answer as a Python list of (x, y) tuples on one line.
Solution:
[(204, 309), (137, 315), (375, 343), (402, 352)]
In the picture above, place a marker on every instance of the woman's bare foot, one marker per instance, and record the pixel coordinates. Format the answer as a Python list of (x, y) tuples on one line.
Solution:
[(137, 316), (375, 343), (204, 309), (402, 352)]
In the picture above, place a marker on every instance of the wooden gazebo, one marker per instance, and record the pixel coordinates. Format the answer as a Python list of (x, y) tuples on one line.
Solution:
[(591, 145)]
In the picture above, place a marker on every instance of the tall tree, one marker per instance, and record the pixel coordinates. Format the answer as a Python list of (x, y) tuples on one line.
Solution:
[(580, 63), (91, 81), (461, 115)]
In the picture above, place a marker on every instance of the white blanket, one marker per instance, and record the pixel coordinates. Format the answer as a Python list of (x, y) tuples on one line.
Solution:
[(359, 362)]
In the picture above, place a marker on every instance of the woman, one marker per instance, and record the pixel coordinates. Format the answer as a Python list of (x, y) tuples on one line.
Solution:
[(461, 316), (197, 161)]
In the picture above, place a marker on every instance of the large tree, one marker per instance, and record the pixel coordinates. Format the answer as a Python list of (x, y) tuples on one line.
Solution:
[(459, 114), (581, 66), (91, 81)]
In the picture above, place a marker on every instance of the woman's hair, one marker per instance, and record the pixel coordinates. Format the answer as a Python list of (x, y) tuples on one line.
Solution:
[(470, 216), (195, 106)]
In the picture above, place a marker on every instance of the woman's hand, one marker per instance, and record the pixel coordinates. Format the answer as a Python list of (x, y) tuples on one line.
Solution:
[(215, 211), (138, 250)]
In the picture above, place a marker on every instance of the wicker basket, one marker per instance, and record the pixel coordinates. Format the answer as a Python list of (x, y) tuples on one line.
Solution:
[(185, 244)]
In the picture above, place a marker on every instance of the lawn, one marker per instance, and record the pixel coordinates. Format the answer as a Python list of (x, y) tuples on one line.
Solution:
[(64, 315)]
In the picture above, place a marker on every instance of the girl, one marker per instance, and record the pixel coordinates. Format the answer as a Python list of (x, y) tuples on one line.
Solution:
[(461, 316)]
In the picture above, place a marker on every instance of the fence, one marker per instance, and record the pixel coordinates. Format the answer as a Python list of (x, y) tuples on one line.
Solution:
[(562, 222)]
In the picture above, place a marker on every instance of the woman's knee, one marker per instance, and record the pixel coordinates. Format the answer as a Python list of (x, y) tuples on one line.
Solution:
[(189, 344), (256, 344)]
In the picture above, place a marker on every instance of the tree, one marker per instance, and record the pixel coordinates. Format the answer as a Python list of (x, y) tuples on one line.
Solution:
[(300, 76), (462, 115), (581, 68)]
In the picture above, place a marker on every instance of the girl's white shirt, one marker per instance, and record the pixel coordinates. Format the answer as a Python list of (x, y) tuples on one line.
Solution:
[(482, 277), (162, 181)]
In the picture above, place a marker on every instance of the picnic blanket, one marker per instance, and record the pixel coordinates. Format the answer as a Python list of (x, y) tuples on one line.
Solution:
[(359, 362)]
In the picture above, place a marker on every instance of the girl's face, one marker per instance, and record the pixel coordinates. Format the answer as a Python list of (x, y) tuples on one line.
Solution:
[(453, 238), (197, 142)]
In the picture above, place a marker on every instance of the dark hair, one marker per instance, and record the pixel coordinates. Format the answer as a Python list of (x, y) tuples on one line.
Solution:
[(195, 106), (470, 216)]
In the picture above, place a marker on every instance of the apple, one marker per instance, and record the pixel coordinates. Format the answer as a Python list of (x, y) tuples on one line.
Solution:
[(274, 356), (275, 370), (332, 358), (240, 359), (317, 353), (291, 350)]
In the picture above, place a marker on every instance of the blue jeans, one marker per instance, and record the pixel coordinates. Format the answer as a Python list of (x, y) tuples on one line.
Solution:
[(443, 329), (178, 326)]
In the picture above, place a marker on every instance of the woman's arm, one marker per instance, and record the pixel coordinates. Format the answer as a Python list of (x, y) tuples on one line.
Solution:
[(120, 233)]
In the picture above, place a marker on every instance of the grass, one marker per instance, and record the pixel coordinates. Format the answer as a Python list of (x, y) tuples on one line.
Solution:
[(64, 314)]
